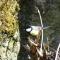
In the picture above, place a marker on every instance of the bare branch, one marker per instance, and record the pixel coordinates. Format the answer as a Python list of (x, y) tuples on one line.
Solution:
[(57, 52), (41, 26), (32, 42)]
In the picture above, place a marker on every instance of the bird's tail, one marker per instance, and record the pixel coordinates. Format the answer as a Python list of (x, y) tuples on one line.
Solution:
[(46, 27)]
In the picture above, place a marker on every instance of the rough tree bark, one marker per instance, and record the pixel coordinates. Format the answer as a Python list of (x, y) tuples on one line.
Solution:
[(9, 30)]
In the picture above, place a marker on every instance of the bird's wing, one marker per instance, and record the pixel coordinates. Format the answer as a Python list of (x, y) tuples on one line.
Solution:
[(36, 27)]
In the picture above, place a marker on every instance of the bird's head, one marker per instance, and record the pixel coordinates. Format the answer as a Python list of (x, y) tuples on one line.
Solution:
[(34, 30)]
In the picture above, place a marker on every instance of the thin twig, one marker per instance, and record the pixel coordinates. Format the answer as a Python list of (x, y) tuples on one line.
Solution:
[(32, 42), (41, 26), (48, 43), (57, 52), (40, 52)]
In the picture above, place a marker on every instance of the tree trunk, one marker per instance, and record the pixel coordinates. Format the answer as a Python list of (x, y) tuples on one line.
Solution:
[(9, 30)]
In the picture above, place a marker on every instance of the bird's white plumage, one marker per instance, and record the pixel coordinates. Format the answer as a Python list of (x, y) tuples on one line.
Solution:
[(28, 29), (36, 27), (34, 30)]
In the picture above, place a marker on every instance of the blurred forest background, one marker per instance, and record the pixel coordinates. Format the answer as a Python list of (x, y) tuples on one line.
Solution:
[(17, 15)]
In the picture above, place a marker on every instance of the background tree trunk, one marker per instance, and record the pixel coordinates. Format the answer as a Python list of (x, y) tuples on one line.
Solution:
[(9, 30)]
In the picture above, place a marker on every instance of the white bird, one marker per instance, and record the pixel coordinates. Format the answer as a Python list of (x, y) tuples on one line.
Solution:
[(34, 30)]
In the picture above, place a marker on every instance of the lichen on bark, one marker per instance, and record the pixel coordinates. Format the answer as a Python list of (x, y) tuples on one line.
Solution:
[(8, 19), (9, 30)]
